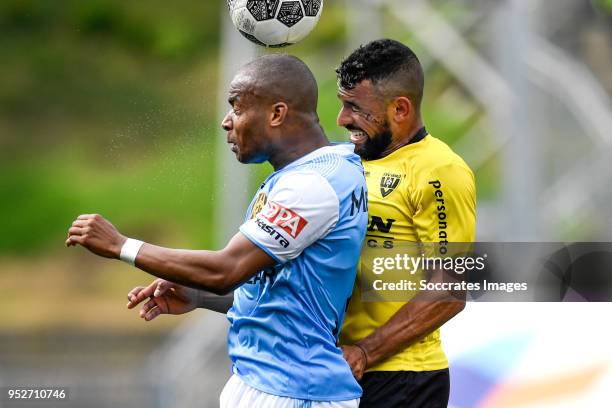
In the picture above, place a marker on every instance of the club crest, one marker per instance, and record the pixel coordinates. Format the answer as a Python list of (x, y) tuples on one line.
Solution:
[(388, 183), (259, 204)]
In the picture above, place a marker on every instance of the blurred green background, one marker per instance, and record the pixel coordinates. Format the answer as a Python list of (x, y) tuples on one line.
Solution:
[(104, 107), (110, 107)]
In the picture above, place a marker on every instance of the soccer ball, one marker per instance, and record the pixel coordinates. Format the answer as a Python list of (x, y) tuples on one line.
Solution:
[(275, 23)]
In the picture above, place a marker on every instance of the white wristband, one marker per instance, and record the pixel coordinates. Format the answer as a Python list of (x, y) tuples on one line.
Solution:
[(129, 250)]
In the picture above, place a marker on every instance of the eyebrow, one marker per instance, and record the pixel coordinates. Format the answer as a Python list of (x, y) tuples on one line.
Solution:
[(347, 101)]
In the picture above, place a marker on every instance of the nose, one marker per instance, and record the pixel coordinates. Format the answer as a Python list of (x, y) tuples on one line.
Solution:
[(226, 123), (344, 117)]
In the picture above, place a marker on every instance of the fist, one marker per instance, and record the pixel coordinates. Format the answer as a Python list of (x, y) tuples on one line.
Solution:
[(97, 234), (356, 359)]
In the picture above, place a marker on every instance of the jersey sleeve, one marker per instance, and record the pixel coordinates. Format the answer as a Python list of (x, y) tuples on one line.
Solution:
[(445, 205), (302, 207)]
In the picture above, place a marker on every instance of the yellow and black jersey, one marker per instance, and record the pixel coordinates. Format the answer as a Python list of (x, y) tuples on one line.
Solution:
[(407, 192)]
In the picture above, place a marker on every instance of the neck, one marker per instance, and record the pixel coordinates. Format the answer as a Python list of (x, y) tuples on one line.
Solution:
[(403, 140), (297, 147)]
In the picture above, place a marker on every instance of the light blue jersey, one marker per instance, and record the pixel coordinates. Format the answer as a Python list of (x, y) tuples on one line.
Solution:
[(311, 217)]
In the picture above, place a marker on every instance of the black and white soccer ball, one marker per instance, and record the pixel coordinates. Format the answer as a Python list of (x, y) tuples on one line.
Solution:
[(275, 23)]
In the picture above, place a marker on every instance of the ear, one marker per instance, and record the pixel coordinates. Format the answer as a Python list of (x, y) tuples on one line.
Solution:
[(402, 109), (278, 114)]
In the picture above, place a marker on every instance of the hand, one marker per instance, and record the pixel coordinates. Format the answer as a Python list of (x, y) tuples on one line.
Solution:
[(96, 234), (165, 298), (356, 359)]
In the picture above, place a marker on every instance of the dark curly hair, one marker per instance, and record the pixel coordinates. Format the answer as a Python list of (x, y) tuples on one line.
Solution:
[(389, 65)]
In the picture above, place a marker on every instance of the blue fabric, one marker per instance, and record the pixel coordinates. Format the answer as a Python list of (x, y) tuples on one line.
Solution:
[(285, 321)]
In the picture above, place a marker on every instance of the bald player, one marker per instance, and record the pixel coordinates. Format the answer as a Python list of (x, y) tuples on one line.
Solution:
[(292, 263)]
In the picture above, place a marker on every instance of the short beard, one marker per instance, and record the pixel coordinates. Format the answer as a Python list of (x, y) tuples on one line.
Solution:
[(374, 147)]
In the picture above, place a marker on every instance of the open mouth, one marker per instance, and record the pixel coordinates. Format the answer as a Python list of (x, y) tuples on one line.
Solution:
[(358, 137)]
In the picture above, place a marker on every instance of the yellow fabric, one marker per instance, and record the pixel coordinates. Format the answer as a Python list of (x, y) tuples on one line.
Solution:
[(414, 206)]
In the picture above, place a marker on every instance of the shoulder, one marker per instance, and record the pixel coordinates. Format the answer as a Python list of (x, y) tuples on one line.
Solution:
[(304, 185), (436, 158), (337, 163), (446, 157), (332, 158)]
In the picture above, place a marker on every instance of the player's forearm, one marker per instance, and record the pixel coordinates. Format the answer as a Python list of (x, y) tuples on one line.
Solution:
[(214, 302), (411, 323), (208, 270)]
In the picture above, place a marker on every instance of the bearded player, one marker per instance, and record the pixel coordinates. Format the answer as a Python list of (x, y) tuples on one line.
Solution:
[(413, 179)]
